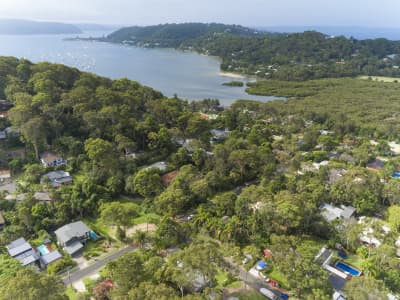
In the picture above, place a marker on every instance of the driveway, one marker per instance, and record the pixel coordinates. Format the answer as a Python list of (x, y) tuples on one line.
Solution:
[(251, 278), (95, 267), (10, 187)]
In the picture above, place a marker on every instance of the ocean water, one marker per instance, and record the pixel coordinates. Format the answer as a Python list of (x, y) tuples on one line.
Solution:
[(189, 75)]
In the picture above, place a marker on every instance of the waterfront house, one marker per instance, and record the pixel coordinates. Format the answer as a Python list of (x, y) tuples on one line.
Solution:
[(73, 236)]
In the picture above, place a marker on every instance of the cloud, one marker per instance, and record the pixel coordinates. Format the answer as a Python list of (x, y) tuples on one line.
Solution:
[(250, 12)]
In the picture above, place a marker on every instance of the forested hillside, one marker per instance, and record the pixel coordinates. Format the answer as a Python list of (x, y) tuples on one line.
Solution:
[(174, 35), (298, 56), (223, 184)]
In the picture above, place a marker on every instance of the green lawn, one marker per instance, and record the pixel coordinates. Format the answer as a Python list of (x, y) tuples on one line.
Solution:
[(147, 218), (278, 276), (250, 295), (354, 260)]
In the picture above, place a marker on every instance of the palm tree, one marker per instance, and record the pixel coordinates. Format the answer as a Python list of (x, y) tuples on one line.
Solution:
[(140, 238)]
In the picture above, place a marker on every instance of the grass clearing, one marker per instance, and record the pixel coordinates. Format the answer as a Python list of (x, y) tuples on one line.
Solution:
[(274, 274), (147, 218), (354, 260), (249, 295)]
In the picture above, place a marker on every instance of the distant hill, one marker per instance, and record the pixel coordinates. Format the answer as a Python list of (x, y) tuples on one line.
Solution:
[(96, 27), (283, 56), (347, 31), (175, 35), (8, 26)]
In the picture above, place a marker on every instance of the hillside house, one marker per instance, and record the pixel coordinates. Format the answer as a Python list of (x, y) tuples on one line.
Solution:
[(73, 236), (52, 159), (331, 213), (20, 249), (57, 178), (376, 165), (5, 174)]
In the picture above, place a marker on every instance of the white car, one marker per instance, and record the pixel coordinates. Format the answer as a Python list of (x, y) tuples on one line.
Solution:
[(268, 293)]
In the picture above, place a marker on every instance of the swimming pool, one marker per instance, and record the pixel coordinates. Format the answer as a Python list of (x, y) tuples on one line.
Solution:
[(43, 250), (347, 269), (396, 175)]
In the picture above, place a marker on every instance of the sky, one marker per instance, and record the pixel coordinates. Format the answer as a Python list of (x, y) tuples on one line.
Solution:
[(366, 13)]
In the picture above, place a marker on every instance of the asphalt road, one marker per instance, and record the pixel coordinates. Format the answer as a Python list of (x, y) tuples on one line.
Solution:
[(93, 268)]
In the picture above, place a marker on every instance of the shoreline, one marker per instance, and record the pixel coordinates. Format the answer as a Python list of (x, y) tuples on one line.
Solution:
[(232, 75)]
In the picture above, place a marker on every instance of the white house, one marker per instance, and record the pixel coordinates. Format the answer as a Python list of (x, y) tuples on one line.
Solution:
[(52, 159)]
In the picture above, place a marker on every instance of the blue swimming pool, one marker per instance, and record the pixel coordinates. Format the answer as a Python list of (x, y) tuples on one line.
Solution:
[(347, 269), (93, 235), (43, 250), (396, 175)]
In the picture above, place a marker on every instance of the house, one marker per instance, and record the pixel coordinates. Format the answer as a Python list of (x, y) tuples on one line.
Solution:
[(39, 196), (73, 236), (372, 234), (4, 114), (161, 166), (330, 212), (208, 116), (42, 196), (5, 105), (52, 159), (20, 249), (2, 221), (12, 132), (219, 134), (49, 258), (267, 253), (335, 175), (394, 147), (5, 174), (376, 165), (169, 177), (347, 158), (57, 178)]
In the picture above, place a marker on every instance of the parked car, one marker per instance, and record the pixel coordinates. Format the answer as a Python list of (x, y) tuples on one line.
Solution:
[(247, 259), (261, 265), (268, 293)]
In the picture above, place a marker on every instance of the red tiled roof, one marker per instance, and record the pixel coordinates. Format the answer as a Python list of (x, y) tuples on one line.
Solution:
[(5, 172), (167, 178)]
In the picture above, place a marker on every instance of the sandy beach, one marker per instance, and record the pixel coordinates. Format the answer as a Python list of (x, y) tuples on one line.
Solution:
[(232, 75)]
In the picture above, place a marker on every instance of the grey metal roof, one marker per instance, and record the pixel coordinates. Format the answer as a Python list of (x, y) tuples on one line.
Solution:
[(29, 259), (69, 231), (336, 282), (18, 247), (51, 257), (56, 175), (73, 248), (16, 243), (348, 211)]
